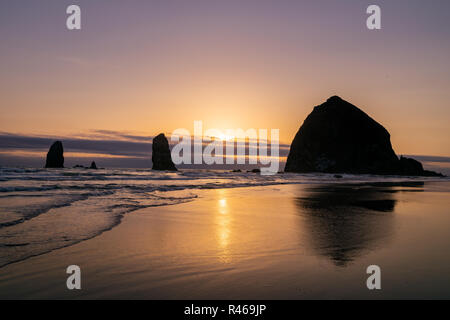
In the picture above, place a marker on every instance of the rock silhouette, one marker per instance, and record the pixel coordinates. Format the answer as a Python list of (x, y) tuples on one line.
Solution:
[(55, 157), (93, 165), (161, 157), (338, 137)]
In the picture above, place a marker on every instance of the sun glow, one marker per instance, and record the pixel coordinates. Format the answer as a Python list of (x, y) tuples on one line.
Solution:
[(223, 137), (223, 221)]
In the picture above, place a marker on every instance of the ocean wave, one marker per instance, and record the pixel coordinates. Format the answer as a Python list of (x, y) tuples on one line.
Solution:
[(43, 210), (80, 220), (30, 211)]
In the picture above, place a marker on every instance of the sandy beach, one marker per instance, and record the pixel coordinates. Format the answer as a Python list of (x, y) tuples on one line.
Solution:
[(271, 242), (254, 154)]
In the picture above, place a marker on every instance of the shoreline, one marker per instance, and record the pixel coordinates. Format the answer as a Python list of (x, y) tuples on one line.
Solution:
[(249, 243), (342, 180)]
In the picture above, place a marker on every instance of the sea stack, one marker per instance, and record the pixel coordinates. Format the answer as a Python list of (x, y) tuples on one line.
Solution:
[(338, 137), (55, 158), (93, 165), (161, 157)]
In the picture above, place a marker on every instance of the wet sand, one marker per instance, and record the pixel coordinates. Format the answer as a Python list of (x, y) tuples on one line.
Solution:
[(273, 242)]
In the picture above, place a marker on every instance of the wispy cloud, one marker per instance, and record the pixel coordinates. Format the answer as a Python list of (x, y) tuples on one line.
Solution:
[(111, 146), (131, 149)]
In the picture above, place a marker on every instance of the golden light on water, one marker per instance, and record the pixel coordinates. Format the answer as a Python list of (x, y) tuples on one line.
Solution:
[(223, 221), (223, 206)]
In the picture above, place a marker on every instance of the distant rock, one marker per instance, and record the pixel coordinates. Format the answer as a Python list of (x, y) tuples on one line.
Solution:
[(79, 166), (338, 137), (254, 170), (411, 167), (55, 157), (161, 157), (338, 176), (236, 170)]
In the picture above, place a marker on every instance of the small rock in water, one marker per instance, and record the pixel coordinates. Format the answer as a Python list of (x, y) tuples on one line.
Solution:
[(93, 165)]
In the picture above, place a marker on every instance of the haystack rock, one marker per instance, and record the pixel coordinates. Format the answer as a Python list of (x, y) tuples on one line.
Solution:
[(161, 157), (338, 137), (55, 158), (93, 165)]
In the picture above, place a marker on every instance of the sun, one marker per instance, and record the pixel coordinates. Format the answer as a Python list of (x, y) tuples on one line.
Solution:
[(223, 136)]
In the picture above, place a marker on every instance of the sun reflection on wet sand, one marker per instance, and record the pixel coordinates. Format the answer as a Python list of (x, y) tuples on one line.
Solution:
[(223, 221), (279, 242)]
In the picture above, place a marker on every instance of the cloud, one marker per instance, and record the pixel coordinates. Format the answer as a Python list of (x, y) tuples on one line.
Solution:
[(430, 158), (111, 148), (116, 149)]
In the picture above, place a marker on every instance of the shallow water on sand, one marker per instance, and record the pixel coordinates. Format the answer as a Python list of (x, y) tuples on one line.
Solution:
[(45, 209), (294, 241)]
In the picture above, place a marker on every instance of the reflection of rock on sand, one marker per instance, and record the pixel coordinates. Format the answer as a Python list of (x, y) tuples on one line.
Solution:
[(344, 221)]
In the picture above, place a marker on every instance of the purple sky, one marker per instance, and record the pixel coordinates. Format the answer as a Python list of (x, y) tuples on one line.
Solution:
[(144, 67)]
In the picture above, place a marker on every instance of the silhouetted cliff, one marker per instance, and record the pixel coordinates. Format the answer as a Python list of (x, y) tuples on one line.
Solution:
[(337, 137)]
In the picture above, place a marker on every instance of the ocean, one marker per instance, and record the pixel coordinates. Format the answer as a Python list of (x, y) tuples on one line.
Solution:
[(45, 209)]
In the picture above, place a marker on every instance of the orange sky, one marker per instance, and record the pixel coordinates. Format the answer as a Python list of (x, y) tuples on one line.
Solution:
[(151, 68)]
